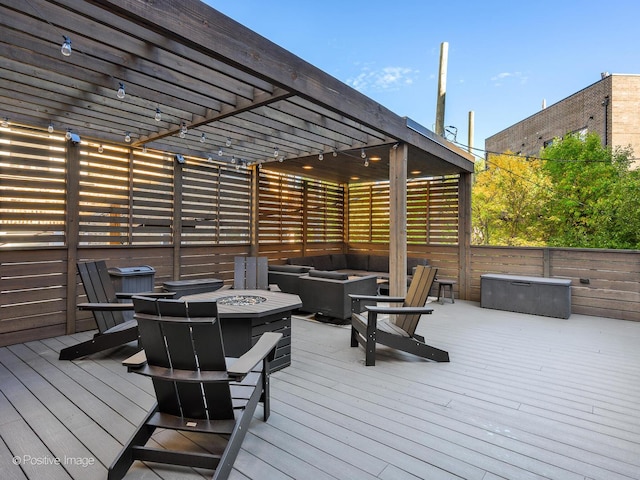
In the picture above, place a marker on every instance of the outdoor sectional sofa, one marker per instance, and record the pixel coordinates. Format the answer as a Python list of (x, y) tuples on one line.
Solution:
[(324, 282)]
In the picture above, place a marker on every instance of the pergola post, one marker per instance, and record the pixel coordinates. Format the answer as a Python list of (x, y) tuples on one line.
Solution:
[(464, 235), (72, 230), (177, 218), (398, 158), (254, 247)]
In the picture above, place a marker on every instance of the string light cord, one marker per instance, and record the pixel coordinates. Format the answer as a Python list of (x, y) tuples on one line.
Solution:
[(529, 157)]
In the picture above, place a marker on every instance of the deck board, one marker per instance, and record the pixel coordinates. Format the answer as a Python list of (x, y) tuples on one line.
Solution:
[(524, 397)]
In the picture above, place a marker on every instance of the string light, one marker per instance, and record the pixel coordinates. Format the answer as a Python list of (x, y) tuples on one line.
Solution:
[(362, 154), (335, 154), (203, 138), (121, 93), (183, 130), (50, 127), (220, 152), (233, 159), (228, 141), (5, 122), (66, 46), (366, 162), (127, 137), (100, 148), (321, 156), (144, 148), (276, 152), (158, 115), (68, 134)]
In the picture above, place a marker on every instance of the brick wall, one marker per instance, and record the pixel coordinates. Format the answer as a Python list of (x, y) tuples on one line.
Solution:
[(582, 110)]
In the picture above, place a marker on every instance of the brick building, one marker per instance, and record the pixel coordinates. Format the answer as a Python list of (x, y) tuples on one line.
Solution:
[(609, 107)]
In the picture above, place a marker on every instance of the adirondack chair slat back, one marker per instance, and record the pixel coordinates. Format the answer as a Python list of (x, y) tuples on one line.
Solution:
[(185, 336), (417, 296), (99, 289)]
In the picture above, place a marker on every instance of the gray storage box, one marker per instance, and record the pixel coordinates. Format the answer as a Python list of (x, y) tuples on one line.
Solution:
[(133, 279), (550, 297), (192, 286)]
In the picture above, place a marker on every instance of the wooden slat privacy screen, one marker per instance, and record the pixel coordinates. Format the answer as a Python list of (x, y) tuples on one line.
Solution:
[(32, 189), (293, 210), (432, 212), (125, 197)]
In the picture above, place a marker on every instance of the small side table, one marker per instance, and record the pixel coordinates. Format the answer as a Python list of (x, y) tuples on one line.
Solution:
[(443, 283)]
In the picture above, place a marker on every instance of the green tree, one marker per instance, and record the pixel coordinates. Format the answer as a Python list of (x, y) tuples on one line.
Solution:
[(507, 198), (594, 203)]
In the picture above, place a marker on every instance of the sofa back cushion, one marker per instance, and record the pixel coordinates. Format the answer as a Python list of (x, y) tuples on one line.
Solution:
[(327, 274), (378, 263), (356, 261), (299, 261), (321, 262), (289, 268), (339, 261)]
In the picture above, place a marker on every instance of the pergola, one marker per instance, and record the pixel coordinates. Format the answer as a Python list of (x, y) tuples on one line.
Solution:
[(198, 84)]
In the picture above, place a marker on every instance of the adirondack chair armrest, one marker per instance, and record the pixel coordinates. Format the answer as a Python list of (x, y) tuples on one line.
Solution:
[(399, 310), (263, 347), (127, 295), (136, 360), (376, 298), (113, 307)]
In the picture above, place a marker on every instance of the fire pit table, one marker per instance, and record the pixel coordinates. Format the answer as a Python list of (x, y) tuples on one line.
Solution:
[(247, 314)]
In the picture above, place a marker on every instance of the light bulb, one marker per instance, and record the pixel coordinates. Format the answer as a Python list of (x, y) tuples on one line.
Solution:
[(281, 159), (5, 122), (50, 127), (238, 166), (220, 152), (182, 134), (233, 159), (68, 134), (321, 156), (100, 149), (66, 46), (127, 137), (228, 141), (121, 92), (366, 163), (210, 158), (362, 154), (335, 154), (203, 138), (158, 115), (276, 153)]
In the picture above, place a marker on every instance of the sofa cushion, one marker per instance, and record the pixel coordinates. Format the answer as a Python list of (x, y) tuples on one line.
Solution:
[(378, 263), (300, 261), (338, 261), (322, 262), (327, 274), (289, 268), (357, 261)]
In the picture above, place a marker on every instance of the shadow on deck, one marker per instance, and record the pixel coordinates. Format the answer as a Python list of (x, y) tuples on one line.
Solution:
[(524, 397)]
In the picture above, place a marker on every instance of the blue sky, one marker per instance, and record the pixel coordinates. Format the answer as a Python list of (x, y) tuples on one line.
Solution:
[(504, 58)]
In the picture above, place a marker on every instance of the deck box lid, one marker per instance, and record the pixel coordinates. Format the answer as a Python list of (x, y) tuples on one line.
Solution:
[(527, 279)]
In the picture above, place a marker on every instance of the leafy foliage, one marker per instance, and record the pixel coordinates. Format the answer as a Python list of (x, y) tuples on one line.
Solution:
[(580, 194), (507, 198)]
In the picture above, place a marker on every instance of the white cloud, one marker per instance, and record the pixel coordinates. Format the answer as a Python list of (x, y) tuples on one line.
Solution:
[(387, 78), (499, 79)]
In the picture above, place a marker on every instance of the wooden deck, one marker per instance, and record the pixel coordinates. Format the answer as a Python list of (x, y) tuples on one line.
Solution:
[(524, 397)]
